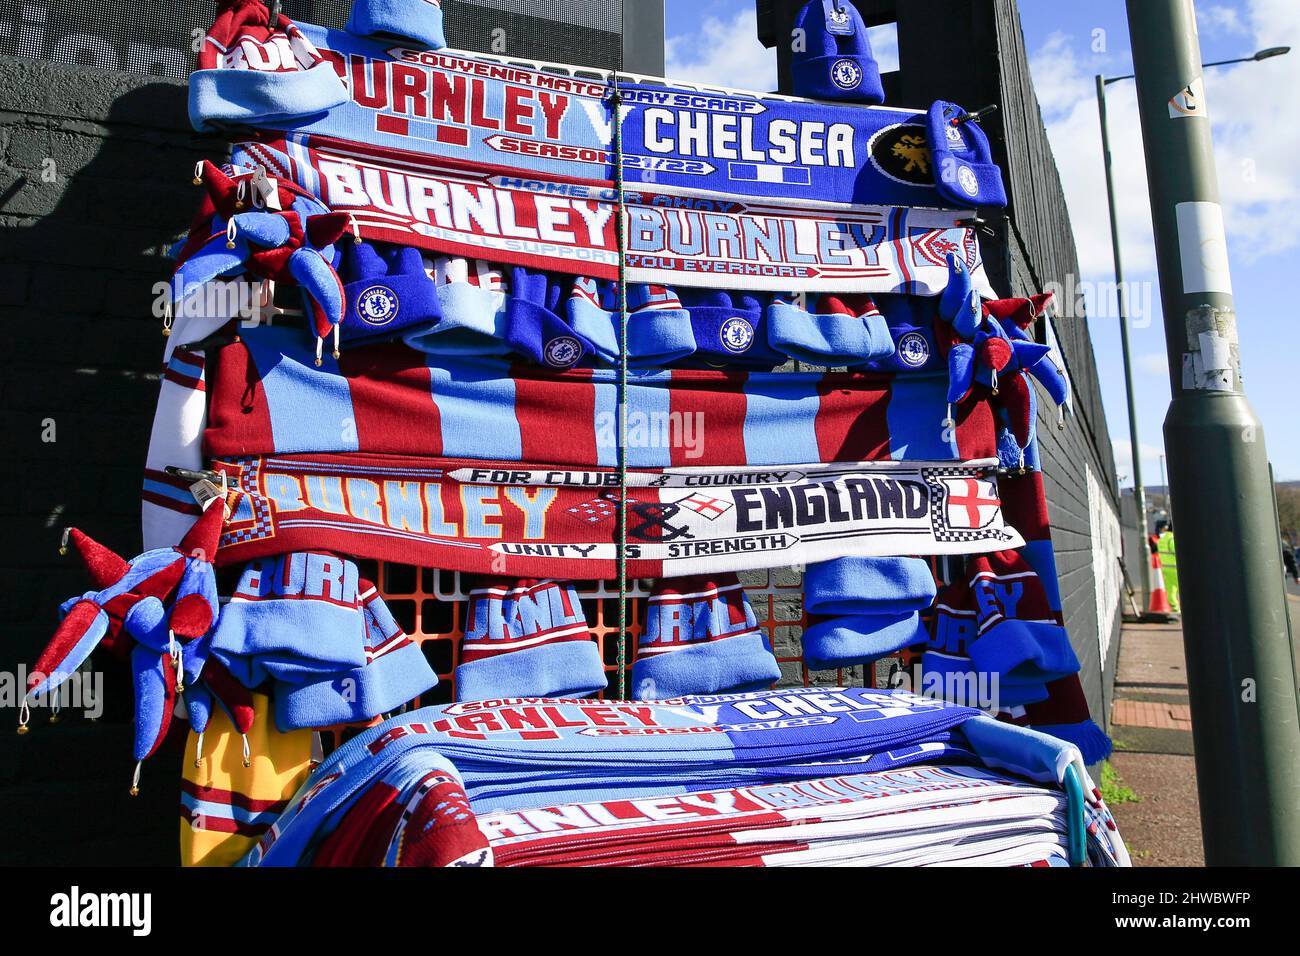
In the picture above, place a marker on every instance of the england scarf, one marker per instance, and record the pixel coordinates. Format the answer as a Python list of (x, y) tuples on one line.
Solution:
[(523, 521), (267, 397)]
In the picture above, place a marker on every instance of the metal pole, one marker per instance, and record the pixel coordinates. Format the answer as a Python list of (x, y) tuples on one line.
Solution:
[(1243, 695), (1139, 491)]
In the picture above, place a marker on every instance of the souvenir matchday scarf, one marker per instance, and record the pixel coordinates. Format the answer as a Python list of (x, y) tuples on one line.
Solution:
[(733, 144)]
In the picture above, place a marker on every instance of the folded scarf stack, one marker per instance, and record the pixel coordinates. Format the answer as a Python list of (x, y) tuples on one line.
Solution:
[(518, 754)]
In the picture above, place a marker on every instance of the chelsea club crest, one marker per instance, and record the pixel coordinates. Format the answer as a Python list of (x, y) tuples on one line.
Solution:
[(377, 305), (736, 334), (913, 350), (846, 74), (562, 351)]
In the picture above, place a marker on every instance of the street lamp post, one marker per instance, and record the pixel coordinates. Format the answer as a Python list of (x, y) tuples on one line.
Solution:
[(1139, 491), (1236, 637)]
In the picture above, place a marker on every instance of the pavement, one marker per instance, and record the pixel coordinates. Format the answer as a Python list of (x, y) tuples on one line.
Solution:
[(1151, 725)]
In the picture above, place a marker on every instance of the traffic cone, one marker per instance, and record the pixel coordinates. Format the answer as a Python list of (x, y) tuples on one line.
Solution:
[(1159, 605)]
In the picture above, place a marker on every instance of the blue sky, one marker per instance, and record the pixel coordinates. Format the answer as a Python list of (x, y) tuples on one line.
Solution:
[(1257, 143)]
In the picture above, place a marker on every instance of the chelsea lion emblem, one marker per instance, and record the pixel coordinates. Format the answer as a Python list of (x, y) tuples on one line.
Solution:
[(562, 351), (377, 305), (846, 74), (736, 334), (913, 350)]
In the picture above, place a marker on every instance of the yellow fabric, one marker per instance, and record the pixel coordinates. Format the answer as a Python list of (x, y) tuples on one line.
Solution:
[(225, 806), (1169, 567)]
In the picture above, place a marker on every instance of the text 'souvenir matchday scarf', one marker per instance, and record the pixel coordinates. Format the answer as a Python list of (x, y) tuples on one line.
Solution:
[(508, 519), (451, 104), (491, 212), (266, 397)]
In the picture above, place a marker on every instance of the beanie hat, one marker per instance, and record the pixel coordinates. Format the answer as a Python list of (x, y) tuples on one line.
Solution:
[(701, 637), (386, 292), (534, 328), (730, 329), (1019, 637), (291, 617), (873, 606), (527, 639), (395, 672), (250, 72), (909, 320), (964, 171), (658, 327), (834, 61), (841, 330), (868, 585), (472, 301), (419, 21)]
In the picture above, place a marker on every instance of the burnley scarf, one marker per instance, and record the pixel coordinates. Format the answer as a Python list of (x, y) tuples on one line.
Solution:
[(908, 815), (267, 397), (519, 520), (729, 145), (518, 754), (526, 752), (456, 208)]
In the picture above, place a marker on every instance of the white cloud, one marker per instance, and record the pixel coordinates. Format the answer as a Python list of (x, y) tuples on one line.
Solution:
[(1257, 142), (1219, 19), (1152, 363), (1067, 95), (722, 53), (1124, 462)]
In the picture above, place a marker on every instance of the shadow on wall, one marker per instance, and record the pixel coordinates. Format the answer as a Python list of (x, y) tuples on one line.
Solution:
[(95, 184)]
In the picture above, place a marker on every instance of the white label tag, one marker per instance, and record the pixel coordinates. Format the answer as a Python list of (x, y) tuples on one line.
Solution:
[(1203, 247)]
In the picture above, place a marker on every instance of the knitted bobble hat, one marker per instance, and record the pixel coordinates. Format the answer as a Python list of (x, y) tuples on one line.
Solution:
[(292, 617), (730, 329), (847, 330), (386, 292), (964, 171), (418, 22), (658, 326), (832, 55), (472, 301), (869, 608), (534, 327), (395, 672), (527, 639), (701, 637), (252, 72)]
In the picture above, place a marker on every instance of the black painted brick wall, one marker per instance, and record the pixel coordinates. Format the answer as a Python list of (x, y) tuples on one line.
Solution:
[(95, 169)]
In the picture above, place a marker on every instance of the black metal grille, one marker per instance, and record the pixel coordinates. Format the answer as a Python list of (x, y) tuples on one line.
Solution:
[(160, 39)]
